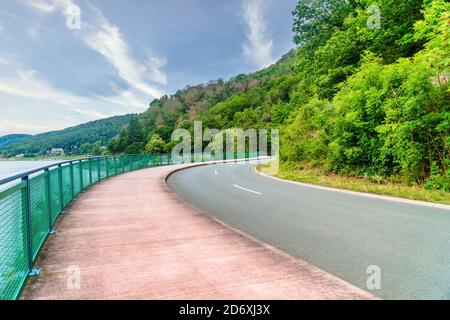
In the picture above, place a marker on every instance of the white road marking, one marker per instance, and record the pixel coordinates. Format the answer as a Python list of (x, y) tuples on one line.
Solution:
[(248, 190), (216, 173)]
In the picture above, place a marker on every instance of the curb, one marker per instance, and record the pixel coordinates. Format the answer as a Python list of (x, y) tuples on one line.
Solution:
[(209, 163), (356, 193)]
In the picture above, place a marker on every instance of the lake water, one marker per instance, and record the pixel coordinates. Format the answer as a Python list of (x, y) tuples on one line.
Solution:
[(12, 168)]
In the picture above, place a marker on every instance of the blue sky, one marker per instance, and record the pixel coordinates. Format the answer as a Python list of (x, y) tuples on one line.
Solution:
[(56, 73)]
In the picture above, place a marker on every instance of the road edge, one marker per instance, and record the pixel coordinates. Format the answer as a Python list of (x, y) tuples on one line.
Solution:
[(370, 296), (256, 171), (209, 163)]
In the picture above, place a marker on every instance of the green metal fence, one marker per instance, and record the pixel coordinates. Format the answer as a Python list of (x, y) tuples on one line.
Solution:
[(31, 203)]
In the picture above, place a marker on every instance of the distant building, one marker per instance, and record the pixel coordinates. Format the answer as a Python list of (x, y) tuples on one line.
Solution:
[(57, 152), (20, 156)]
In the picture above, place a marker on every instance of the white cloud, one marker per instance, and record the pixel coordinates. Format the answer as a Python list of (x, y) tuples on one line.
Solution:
[(8, 126), (124, 98), (93, 114), (25, 84), (258, 47), (33, 33), (29, 92), (106, 39), (41, 5), (3, 61)]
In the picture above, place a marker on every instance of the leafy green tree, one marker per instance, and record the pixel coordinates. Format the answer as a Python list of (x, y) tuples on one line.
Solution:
[(96, 151), (135, 148), (316, 20), (134, 132), (155, 145)]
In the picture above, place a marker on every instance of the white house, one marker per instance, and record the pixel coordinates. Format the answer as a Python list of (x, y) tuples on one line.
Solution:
[(57, 152)]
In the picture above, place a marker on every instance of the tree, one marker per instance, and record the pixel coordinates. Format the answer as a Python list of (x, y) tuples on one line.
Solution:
[(316, 20), (96, 151), (155, 145), (134, 132), (135, 148)]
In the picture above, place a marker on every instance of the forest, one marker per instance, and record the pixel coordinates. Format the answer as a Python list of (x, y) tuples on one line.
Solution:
[(87, 138), (365, 93)]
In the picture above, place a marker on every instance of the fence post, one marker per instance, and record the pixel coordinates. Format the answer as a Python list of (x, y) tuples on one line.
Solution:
[(90, 171), (123, 164), (81, 176), (60, 182), (32, 272), (49, 202), (72, 180), (98, 169), (115, 165), (107, 167), (160, 159)]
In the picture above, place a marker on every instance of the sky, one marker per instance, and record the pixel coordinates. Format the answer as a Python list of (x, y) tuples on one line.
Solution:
[(66, 62)]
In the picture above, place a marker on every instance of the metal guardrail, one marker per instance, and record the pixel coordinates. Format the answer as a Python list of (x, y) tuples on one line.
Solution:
[(30, 206)]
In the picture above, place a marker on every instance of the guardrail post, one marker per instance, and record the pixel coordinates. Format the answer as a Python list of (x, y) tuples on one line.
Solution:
[(81, 176), (90, 171), (49, 201), (32, 272), (60, 182), (72, 179), (98, 169)]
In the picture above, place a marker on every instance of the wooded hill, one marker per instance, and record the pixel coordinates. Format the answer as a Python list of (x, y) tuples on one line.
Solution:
[(358, 97), (83, 139)]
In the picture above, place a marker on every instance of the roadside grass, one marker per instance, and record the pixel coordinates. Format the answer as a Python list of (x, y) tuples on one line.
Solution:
[(318, 176)]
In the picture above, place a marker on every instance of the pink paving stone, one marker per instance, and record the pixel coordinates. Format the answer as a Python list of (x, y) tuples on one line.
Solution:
[(132, 238)]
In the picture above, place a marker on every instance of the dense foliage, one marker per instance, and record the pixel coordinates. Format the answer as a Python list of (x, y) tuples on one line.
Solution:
[(219, 104), (87, 138), (353, 99), (12, 138), (386, 118)]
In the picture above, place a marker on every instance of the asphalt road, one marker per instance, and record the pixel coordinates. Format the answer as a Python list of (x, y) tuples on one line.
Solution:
[(343, 234)]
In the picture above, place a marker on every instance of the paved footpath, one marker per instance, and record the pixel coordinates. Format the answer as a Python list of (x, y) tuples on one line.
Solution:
[(130, 237)]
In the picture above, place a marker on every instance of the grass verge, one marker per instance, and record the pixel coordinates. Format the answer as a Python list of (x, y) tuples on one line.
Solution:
[(395, 189)]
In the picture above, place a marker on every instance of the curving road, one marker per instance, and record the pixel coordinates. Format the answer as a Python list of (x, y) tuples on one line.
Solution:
[(341, 233)]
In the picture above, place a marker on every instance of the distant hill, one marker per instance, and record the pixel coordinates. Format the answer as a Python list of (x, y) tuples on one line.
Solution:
[(81, 139), (12, 138), (215, 103)]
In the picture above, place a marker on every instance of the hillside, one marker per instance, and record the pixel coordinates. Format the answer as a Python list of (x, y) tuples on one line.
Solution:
[(187, 105), (12, 138), (81, 139), (358, 98)]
